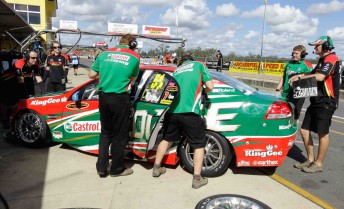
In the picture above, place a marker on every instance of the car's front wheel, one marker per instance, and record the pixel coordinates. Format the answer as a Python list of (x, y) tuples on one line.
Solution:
[(218, 155), (31, 129)]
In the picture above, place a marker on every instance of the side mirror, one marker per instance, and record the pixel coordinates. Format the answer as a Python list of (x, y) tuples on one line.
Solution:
[(76, 97)]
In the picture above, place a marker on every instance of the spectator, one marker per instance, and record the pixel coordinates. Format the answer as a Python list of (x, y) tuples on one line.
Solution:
[(319, 113), (296, 67), (184, 116), (115, 75), (75, 63), (219, 61)]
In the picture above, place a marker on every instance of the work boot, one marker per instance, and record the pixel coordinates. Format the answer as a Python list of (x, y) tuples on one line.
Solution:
[(158, 171), (126, 172), (313, 168), (199, 183), (302, 165)]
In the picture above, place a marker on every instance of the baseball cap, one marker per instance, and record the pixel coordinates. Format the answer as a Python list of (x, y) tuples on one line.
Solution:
[(321, 40)]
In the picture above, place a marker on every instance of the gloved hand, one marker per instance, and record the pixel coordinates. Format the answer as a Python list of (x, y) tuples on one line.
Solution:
[(63, 81)]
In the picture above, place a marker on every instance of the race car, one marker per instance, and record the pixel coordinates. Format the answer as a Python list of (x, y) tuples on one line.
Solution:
[(241, 121)]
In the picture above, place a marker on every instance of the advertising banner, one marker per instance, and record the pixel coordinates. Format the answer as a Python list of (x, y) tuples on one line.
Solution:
[(121, 29), (267, 67), (157, 31), (67, 24)]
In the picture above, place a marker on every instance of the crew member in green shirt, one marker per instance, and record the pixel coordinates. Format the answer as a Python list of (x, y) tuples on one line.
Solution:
[(296, 67), (116, 69), (184, 116)]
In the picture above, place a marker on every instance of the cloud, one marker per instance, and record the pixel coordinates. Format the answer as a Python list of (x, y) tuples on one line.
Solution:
[(287, 19), (251, 34), (336, 33), (193, 14), (227, 10), (325, 8), (149, 2)]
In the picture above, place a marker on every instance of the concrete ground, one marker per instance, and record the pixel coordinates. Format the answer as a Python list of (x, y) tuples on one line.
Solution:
[(60, 177)]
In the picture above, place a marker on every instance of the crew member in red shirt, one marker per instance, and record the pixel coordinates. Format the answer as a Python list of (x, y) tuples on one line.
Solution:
[(26, 69)]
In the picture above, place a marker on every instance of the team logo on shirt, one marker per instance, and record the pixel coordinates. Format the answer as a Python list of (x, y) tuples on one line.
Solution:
[(119, 57)]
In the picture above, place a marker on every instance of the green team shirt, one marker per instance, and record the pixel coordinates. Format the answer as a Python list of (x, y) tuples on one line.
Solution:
[(116, 66), (190, 77), (293, 68)]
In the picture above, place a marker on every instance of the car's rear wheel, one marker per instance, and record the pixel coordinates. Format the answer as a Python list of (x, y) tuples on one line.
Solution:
[(31, 129), (218, 155)]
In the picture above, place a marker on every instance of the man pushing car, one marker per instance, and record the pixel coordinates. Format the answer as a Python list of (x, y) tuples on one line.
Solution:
[(185, 116)]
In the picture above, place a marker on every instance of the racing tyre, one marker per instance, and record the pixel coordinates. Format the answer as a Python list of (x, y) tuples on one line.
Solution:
[(31, 129), (230, 201), (218, 155)]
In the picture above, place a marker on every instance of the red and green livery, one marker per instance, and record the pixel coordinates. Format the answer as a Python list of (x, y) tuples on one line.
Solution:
[(256, 127)]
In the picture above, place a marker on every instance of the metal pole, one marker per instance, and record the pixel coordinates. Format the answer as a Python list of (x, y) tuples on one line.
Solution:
[(261, 48)]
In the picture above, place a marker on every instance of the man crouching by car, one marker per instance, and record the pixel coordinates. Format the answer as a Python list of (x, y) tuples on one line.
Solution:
[(184, 116)]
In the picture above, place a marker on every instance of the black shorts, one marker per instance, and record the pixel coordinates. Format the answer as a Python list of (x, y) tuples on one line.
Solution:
[(76, 66), (190, 124), (318, 119)]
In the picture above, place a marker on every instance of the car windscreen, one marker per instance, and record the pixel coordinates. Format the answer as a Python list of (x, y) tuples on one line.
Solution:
[(233, 82)]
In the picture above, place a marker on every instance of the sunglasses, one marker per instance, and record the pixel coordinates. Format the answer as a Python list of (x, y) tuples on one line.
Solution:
[(57, 47), (33, 58)]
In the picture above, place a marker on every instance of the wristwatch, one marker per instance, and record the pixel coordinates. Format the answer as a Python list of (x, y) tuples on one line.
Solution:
[(277, 90), (299, 76)]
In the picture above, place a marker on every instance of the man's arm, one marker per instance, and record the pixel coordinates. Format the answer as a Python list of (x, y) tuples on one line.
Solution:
[(209, 86), (93, 74)]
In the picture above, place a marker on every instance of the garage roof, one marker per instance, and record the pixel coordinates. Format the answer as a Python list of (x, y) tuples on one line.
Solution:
[(13, 23)]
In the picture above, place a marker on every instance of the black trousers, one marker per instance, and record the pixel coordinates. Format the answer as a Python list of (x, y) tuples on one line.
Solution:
[(55, 87), (114, 119)]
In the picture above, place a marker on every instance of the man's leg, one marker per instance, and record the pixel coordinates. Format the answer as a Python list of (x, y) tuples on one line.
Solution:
[(105, 135), (160, 153), (323, 147), (198, 160), (162, 149), (308, 142), (120, 107)]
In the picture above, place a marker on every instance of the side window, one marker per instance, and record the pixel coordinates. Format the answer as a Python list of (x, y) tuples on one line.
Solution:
[(91, 92), (134, 89), (160, 87)]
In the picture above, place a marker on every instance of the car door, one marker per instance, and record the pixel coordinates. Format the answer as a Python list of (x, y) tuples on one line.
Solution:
[(155, 96), (81, 125)]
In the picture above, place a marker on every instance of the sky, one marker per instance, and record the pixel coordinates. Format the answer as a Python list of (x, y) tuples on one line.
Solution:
[(230, 26)]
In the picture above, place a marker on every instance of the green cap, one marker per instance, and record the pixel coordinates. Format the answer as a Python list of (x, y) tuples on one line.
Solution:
[(321, 40)]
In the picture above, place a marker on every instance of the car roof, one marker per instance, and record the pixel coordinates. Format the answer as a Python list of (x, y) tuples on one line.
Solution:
[(169, 68)]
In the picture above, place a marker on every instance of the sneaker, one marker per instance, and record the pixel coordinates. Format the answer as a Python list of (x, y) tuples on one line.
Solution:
[(126, 172), (199, 183), (158, 171), (313, 168), (302, 165)]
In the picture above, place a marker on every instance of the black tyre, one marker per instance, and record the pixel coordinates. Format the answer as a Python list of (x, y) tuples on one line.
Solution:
[(230, 201), (31, 129), (218, 155)]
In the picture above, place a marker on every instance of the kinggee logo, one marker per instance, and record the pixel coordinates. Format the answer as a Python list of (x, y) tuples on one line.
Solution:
[(269, 152)]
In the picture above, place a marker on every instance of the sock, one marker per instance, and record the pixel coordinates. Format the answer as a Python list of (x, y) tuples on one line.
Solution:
[(157, 166), (197, 176)]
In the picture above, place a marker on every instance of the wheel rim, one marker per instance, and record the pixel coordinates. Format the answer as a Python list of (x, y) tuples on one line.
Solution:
[(234, 201), (29, 127), (212, 156)]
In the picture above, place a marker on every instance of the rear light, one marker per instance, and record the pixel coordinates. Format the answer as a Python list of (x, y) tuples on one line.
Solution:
[(278, 110)]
